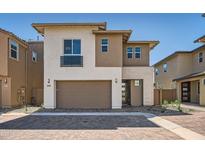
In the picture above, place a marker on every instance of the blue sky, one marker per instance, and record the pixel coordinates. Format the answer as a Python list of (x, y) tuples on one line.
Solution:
[(174, 31)]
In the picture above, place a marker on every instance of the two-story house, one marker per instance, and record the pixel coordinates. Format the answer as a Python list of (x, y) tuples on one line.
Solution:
[(185, 72), (15, 59), (88, 66)]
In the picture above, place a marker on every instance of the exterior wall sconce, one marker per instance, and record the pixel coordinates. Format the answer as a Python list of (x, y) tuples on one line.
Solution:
[(137, 83), (115, 80), (5, 81)]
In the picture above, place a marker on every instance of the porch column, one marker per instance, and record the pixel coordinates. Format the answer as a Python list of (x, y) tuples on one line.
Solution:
[(148, 91), (179, 91), (202, 92)]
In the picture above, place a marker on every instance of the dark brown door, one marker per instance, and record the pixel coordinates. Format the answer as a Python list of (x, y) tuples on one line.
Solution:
[(185, 91)]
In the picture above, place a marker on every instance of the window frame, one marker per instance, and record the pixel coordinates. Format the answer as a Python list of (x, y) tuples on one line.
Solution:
[(34, 52), (200, 57), (164, 67), (103, 45), (139, 52), (129, 52), (12, 42), (71, 54)]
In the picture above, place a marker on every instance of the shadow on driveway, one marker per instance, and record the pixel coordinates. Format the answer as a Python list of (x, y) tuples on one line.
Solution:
[(76, 122)]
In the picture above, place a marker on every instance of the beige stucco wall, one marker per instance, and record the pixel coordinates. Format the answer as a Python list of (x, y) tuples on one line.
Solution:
[(136, 93), (147, 75), (164, 79), (35, 72), (112, 58), (184, 65), (143, 61), (198, 67), (3, 54), (53, 49), (178, 66)]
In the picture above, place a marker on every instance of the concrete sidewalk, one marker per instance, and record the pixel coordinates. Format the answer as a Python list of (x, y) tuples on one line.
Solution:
[(194, 107)]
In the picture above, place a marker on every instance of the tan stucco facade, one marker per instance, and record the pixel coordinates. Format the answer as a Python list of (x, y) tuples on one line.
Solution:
[(196, 66), (17, 72), (113, 57), (178, 66), (143, 61), (3, 54)]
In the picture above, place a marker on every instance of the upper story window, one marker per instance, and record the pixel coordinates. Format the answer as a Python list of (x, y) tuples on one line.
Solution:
[(165, 67), (13, 50), (137, 52), (72, 47), (156, 71), (34, 56), (129, 52), (200, 57), (104, 45)]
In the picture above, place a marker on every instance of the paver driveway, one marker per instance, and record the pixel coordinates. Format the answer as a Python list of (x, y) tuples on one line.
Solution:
[(194, 121), (81, 127)]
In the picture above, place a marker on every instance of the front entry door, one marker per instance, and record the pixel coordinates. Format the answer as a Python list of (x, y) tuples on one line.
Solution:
[(185, 91)]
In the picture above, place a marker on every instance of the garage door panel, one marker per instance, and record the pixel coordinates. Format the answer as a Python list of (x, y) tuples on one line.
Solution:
[(83, 94)]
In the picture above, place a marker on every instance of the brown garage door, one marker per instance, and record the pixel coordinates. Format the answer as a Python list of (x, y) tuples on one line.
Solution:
[(83, 94)]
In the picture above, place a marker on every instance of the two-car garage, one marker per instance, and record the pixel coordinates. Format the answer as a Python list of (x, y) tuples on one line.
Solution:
[(83, 94)]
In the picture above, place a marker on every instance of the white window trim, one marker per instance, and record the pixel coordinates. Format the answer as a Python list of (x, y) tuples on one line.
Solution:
[(201, 57), (17, 50), (71, 54), (36, 57), (129, 52), (101, 45), (140, 52)]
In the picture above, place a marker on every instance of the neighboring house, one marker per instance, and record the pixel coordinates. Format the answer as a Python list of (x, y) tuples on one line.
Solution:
[(35, 72), (185, 72), (88, 66), (14, 56)]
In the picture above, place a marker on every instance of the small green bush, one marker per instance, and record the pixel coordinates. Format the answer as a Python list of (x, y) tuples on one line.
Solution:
[(174, 104)]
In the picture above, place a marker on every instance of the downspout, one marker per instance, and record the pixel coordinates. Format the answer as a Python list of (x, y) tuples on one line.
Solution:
[(26, 77)]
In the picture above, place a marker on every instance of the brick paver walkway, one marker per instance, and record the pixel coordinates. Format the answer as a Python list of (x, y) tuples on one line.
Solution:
[(81, 127)]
